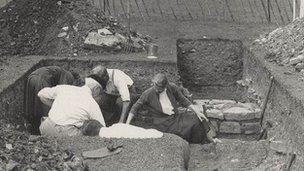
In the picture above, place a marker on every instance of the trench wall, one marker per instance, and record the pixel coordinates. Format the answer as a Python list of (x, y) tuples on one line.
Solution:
[(285, 107), (211, 67)]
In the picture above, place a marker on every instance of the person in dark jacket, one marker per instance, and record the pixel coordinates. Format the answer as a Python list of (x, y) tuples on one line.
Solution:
[(162, 102), (48, 76)]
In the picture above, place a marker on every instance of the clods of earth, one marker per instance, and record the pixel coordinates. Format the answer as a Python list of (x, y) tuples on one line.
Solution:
[(63, 28), (285, 46)]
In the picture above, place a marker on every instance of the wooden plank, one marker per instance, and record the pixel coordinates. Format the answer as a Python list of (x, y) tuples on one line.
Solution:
[(139, 11), (279, 10), (251, 9), (187, 8), (201, 7), (172, 10), (272, 11), (123, 9), (160, 10), (229, 10), (146, 9), (246, 17), (286, 10), (258, 10), (265, 10)]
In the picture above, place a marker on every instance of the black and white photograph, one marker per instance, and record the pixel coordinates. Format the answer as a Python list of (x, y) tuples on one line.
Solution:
[(136, 85)]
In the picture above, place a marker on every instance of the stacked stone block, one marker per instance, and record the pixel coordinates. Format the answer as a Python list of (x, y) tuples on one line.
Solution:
[(231, 117)]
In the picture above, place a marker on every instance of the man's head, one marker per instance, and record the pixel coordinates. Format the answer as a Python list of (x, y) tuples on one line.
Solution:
[(160, 82), (91, 127), (77, 79), (95, 87), (100, 74)]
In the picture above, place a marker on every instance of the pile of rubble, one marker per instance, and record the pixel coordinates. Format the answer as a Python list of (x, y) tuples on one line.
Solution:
[(63, 28), (285, 45), (21, 151)]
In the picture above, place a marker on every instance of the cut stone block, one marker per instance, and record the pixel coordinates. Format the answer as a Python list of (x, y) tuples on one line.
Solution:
[(219, 101), (215, 113), (167, 153), (230, 127), (239, 114), (251, 128)]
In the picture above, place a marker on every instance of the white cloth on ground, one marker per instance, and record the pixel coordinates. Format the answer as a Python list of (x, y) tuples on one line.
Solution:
[(121, 130), (165, 103), (72, 105)]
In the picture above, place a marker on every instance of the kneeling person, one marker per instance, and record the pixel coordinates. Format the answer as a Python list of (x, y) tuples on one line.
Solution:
[(71, 106), (162, 101)]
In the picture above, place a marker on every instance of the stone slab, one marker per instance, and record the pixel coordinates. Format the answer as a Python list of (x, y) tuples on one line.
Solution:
[(230, 127), (239, 114), (251, 128), (167, 153)]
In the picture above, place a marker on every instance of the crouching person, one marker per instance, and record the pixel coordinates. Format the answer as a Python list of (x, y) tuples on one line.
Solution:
[(71, 106), (162, 101)]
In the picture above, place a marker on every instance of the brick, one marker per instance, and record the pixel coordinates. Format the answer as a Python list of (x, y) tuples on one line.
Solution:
[(251, 128), (215, 113), (238, 114), (230, 127)]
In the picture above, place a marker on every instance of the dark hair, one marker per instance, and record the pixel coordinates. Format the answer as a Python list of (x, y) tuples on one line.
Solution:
[(91, 127), (101, 80)]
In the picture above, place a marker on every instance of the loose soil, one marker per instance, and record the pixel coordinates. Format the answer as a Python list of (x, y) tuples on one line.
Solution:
[(30, 27)]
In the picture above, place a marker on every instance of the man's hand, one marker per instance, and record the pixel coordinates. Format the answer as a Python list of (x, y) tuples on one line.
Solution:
[(199, 111)]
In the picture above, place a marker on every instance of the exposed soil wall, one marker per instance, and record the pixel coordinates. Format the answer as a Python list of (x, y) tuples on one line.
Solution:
[(210, 65), (285, 107)]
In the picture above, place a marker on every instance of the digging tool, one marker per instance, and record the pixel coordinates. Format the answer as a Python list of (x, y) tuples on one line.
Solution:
[(102, 152), (290, 161), (266, 100), (128, 46)]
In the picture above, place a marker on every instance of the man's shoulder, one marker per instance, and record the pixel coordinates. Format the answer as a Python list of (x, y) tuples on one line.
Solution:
[(148, 91)]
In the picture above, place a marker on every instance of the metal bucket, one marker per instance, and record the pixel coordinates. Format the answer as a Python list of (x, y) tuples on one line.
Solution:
[(152, 50)]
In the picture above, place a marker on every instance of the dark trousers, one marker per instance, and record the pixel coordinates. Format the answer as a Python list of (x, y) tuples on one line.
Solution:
[(111, 105)]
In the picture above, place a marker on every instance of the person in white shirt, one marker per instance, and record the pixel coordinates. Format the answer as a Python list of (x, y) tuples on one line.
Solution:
[(119, 93), (71, 106)]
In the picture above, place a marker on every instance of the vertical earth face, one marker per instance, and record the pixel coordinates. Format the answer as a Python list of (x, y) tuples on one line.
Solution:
[(209, 62)]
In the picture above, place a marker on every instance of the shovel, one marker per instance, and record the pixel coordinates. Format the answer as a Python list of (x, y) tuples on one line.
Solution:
[(100, 153)]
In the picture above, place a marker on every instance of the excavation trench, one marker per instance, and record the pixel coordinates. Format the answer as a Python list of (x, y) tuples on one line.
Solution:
[(211, 69)]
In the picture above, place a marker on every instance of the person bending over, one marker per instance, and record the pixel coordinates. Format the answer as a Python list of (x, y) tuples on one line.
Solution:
[(71, 106), (47, 76), (119, 93)]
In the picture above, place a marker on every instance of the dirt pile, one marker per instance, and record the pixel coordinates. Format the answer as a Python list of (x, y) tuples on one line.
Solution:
[(21, 151), (285, 44), (59, 28)]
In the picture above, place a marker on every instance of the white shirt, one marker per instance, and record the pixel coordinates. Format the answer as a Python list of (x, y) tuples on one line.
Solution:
[(72, 105), (165, 103), (121, 130), (122, 82)]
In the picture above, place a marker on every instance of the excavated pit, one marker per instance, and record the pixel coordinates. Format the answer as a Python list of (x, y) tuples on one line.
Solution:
[(199, 59)]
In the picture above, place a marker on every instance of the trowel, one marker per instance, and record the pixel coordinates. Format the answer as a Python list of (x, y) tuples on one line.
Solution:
[(102, 152)]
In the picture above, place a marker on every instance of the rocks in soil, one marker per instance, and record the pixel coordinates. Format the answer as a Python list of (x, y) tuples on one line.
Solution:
[(284, 45), (21, 151), (46, 27)]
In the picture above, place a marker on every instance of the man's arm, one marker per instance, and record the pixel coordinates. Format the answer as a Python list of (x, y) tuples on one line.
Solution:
[(139, 104), (47, 95), (95, 113), (198, 111), (125, 107)]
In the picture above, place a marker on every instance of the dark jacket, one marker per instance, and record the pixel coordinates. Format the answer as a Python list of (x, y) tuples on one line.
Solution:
[(150, 100)]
